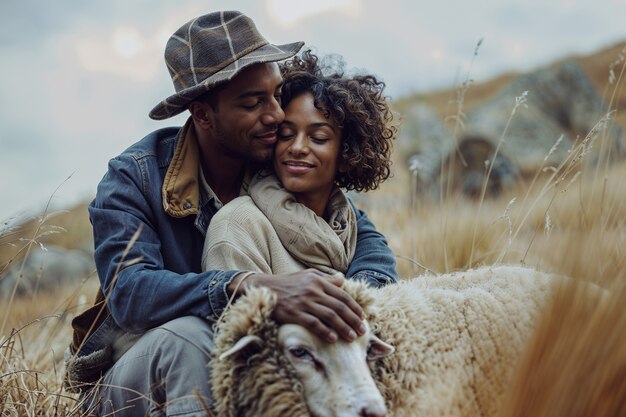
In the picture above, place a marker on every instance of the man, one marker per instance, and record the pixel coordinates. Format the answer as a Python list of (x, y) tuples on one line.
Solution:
[(150, 216)]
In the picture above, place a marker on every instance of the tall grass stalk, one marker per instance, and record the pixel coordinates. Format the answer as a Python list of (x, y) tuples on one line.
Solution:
[(618, 85), (459, 124), (519, 101), (41, 231), (565, 169)]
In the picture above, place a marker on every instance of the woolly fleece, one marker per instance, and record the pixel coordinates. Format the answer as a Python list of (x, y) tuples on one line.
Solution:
[(458, 338)]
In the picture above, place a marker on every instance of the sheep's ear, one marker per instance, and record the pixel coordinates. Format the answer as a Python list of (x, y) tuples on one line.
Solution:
[(242, 346), (378, 349)]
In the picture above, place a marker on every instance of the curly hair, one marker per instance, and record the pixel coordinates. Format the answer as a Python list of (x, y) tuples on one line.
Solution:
[(355, 103)]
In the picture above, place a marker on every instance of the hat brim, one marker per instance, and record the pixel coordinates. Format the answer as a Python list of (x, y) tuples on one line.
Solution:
[(178, 102)]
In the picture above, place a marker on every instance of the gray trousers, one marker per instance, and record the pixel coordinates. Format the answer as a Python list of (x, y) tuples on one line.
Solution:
[(165, 373)]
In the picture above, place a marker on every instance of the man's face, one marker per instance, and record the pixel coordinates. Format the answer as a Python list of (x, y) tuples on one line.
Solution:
[(246, 113)]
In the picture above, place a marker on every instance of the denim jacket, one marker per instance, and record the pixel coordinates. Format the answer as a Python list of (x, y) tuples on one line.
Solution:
[(149, 221)]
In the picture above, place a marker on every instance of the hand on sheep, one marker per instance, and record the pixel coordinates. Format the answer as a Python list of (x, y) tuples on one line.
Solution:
[(315, 301)]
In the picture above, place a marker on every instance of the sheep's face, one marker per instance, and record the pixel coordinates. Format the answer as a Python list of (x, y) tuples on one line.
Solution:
[(252, 375), (335, 377)]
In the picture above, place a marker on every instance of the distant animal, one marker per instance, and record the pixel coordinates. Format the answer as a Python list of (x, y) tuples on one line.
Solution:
[(437, 345)]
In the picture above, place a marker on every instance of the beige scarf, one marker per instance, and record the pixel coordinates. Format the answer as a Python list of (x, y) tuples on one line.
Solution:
[(326, 246)]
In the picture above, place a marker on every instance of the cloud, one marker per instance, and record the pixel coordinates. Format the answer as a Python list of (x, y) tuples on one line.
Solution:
[(288, 13), (125, 51)]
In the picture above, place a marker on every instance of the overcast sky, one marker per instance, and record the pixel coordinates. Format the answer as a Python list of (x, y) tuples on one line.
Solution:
[(78, 78)]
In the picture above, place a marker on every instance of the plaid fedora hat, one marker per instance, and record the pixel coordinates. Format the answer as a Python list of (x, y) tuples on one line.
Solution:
[(211, 50)]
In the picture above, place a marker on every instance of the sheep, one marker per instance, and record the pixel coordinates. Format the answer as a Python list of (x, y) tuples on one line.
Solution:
[(457, 338), (255, 366)]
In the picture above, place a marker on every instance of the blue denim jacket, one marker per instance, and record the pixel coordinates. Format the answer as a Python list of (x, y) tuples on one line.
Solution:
[(152, 191)]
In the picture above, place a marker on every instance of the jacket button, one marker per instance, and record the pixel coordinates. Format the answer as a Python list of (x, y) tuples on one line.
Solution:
[(187, 205), (213, 283)]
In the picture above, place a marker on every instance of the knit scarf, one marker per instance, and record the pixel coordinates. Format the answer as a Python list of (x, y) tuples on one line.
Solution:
[(326, 246)]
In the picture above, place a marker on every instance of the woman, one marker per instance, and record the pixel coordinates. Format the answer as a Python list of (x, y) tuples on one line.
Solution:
[(336, 134)]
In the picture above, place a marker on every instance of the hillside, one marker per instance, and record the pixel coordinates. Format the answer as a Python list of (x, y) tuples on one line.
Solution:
[(596, 65), (71, 229)]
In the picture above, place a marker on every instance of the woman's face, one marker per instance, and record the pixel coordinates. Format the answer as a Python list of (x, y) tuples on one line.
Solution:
[(307, 151)]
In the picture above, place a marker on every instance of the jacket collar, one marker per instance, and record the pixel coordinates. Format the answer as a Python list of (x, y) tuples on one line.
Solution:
[(181, 185), (181, 189)]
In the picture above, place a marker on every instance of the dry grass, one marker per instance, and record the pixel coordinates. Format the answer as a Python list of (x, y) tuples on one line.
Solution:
[(31, 354), (35, 330), (565, 222), (576, 361), (575, 230)]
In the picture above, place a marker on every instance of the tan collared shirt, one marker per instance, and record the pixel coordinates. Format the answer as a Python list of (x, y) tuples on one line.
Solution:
[(208, 192)]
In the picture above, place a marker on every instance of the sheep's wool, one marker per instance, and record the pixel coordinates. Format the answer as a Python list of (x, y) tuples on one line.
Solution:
[(458, 338), (258, 382)]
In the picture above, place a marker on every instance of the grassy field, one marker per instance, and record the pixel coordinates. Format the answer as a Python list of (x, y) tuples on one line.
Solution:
[(577, 229), (570, 220)]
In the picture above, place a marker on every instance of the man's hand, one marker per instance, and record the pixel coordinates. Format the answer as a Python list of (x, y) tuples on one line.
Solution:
[(313, 300)]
